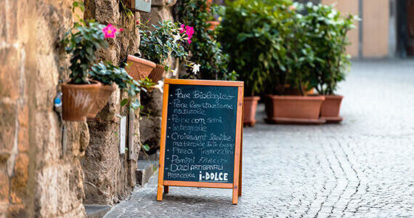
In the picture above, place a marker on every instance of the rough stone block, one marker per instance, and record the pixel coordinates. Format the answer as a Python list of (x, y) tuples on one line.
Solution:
[(20, 178), (101, 162), (8, 114), (3, 30), (109, 112), (60, 190), (4, 185), (45, 81), (9, 72), (156, 15), (16, 210), (107, 11), (23, 140), (47, 137), (78, 137), (163, 3), (9, 17), (151, 132), (152, 102)]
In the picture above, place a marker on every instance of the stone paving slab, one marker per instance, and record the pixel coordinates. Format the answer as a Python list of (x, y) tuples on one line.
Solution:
[(363, 167)]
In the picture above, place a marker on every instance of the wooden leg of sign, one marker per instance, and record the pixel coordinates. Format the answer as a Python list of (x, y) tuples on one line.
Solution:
[(237, 150), (159, 193), (241, 163), (235, 195), (166, 189)]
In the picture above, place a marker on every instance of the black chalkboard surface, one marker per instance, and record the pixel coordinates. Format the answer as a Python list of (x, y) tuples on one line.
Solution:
[(201, 135), (201, 131)]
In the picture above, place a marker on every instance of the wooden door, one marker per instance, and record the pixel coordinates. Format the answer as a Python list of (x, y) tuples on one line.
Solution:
[(410, 28)]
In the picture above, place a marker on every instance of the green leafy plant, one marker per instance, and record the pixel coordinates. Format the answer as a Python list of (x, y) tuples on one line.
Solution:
[(204, 49), (276, 44), (326, 31), (163, 40), (125, 10), (107, 73), (252, 33), (81, 43)]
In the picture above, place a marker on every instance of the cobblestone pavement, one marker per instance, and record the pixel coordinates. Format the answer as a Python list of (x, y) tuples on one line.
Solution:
[(363, 167)]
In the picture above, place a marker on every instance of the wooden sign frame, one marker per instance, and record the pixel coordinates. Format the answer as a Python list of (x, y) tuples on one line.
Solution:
[(236, 186)]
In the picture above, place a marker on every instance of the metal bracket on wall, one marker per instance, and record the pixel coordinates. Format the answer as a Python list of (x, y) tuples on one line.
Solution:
[(132, 154), (141, 5)]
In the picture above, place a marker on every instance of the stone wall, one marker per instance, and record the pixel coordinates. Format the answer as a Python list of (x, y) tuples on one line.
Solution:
[(151, 115), (40, 171), (48, 167), (109, 175)]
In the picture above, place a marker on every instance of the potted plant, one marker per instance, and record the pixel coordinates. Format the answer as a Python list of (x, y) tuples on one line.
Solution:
[(139, 68), (80, 92), (161, 41), (296, 63), (327, 31), (250, 36), (205, 50), (214, 18), (91, 84), (113, 77)]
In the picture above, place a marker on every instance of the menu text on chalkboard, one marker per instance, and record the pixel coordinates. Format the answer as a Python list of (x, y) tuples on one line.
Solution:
[(201, 135)]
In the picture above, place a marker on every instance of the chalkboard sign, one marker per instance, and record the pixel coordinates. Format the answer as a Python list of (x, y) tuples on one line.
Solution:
[(201, 135)]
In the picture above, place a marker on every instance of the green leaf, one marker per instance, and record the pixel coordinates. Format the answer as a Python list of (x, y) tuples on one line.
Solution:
[(146, 147), (124, 102)]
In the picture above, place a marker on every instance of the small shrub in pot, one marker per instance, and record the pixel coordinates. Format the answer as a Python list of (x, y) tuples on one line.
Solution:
[(161, 41), (327, 32)]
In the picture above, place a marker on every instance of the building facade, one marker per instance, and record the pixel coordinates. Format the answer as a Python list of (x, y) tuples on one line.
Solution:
[(386, 28)]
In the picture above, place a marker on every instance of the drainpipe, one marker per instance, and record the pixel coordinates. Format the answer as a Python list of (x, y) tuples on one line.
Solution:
[(360, 28)]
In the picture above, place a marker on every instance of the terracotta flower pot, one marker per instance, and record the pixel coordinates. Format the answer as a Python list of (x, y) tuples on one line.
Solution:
[(294, 109), (249, 110), (157, 73), (78, 100), (139, 68), (213, 25), (331, 108), (105, 91)]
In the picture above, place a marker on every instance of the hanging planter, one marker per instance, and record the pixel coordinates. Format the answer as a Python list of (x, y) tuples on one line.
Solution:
[(157, 73), (249, 110), (294, 109), (331, 108), (163, 41), (213, 25), (78, 100), (101, 99), (139, 68)]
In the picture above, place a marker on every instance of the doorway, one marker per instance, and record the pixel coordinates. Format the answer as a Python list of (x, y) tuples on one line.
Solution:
[(405, 28)]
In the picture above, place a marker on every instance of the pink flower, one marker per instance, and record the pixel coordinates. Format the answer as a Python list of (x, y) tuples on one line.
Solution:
[(292, 7), (137, 22), (121, 29), (189, 31), (109, 31)]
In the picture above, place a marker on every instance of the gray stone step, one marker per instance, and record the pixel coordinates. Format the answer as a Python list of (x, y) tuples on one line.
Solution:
[(96, 211), (147, 166)]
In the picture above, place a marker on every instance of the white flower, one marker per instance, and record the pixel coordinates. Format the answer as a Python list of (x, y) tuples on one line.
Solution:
[(160, 83), (196, 68), (174, 72), (177, 37)]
